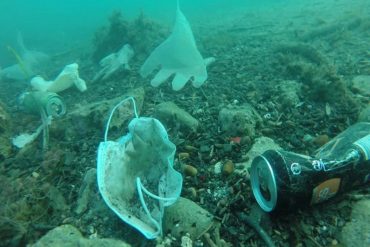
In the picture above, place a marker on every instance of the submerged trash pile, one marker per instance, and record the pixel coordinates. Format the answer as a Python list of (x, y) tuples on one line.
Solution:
[(262, 150)]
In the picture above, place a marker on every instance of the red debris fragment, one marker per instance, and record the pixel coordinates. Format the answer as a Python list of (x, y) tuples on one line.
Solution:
[(236, 139)]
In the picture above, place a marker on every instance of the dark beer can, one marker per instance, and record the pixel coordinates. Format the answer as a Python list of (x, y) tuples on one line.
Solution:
[(283, 180)]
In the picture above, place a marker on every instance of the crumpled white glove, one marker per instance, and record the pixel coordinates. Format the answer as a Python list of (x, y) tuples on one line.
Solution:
[(178, 55), (68, 77), (114, 62)]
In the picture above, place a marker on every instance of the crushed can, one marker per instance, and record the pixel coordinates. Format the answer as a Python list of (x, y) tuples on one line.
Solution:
[(43, 102), (283, 180)]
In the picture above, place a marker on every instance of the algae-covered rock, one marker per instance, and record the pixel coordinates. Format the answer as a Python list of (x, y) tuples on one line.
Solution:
[(260, 145), (361, 84), (141, 33), (172, 115), (185, 216), (239, 120), (86, 191), (69, 236), (289, 93), (309, 66)]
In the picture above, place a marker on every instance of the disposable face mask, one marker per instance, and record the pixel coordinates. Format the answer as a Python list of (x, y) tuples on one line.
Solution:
[(135, 174)]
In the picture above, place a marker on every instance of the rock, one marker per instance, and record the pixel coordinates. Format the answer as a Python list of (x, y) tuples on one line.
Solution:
[(357, 231), (228, 167), (57, 200), (172, 115), (204, 148), (260, 145), (190, 170), (186, 241), (289, 92), (218, 168), (361, 84), (185, 216), (364, 115), (85, 191), (239, 120), (69, 236), (320, 140), (227, 148), (5, 133)]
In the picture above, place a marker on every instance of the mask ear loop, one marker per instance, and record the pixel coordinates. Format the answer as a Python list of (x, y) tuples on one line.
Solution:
[(114, 109), (140, 188)]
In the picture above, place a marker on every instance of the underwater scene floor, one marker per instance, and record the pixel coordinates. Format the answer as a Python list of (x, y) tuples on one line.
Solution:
[(291, 80)]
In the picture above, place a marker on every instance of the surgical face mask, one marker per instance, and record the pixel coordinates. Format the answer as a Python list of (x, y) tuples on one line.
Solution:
[(135, 173)]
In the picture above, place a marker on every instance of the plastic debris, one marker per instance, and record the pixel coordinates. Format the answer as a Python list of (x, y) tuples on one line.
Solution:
[(135, 174), (67, 78), (114, 62), (178, 55)]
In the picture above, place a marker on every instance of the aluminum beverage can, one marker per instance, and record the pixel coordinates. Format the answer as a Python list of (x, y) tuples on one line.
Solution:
[(51, 103), (283, 180)]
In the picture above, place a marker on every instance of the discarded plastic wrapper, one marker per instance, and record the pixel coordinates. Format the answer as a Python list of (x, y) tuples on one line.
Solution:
[(29, 63), (135, 174), (115, 61), (67, 78), (178, 55), (23, 139)]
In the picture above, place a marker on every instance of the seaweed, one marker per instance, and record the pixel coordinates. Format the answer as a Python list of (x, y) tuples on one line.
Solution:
[(334, 31), (141, 33), (304, 63), (307, 52), (33, 192), (110, 39)]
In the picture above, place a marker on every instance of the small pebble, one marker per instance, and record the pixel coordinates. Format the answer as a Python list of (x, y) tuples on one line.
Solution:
[(321, 140), (204, 148), (190, 148), (184, 156), (307, 138), (228, 167), (218, 168), (267, 131), (91, 229), (246, 140), (227, 148), (192, 192), (190, 170)]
